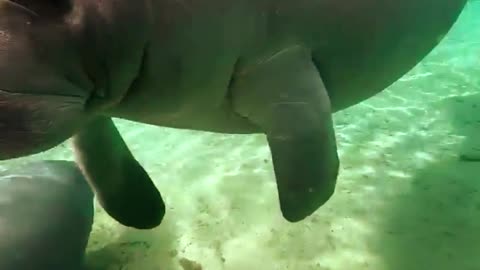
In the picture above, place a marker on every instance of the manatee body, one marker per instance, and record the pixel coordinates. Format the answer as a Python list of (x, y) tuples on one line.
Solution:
[(46, 215), (277, 67)]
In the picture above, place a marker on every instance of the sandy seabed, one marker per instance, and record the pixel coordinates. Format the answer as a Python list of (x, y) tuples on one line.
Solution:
[(407, 198)]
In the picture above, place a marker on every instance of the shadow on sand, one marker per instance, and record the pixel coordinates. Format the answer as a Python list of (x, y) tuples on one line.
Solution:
[(436, 223), (131, 248)]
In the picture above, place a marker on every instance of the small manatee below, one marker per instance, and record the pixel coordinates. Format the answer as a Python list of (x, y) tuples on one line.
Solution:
[(46, 216)]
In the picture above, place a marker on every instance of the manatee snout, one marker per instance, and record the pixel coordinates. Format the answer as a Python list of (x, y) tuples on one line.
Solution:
[(43, 84)]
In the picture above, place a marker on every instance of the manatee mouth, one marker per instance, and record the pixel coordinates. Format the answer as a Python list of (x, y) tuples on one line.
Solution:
[(31, 122), (53, 96)]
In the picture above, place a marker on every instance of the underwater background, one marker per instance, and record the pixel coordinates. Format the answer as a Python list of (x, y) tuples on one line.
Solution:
[(408, 194)]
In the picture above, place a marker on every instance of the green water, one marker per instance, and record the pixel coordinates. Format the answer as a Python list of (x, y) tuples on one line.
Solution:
[(404, 201)]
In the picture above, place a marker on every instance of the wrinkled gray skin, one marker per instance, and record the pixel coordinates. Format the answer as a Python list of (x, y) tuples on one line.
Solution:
[(276, 67), (46, 215)]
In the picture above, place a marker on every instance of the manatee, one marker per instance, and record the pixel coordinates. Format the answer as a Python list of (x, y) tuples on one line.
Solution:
[(46, 215), (279, 68)]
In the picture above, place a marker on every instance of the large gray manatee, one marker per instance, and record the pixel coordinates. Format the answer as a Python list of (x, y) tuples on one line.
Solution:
[(46, 215), (277, 67)]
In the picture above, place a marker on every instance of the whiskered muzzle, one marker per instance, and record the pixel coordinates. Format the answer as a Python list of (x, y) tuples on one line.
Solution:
[(31, 123)]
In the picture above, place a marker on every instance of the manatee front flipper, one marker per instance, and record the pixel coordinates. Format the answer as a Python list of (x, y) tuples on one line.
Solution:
[(285, 96), (121, 185)]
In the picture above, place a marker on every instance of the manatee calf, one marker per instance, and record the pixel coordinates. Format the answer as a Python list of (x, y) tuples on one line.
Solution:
[(46, 215), (277, 67)]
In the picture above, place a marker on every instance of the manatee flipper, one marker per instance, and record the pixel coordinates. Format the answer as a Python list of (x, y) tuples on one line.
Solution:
[(121, 185), (285, 96)]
